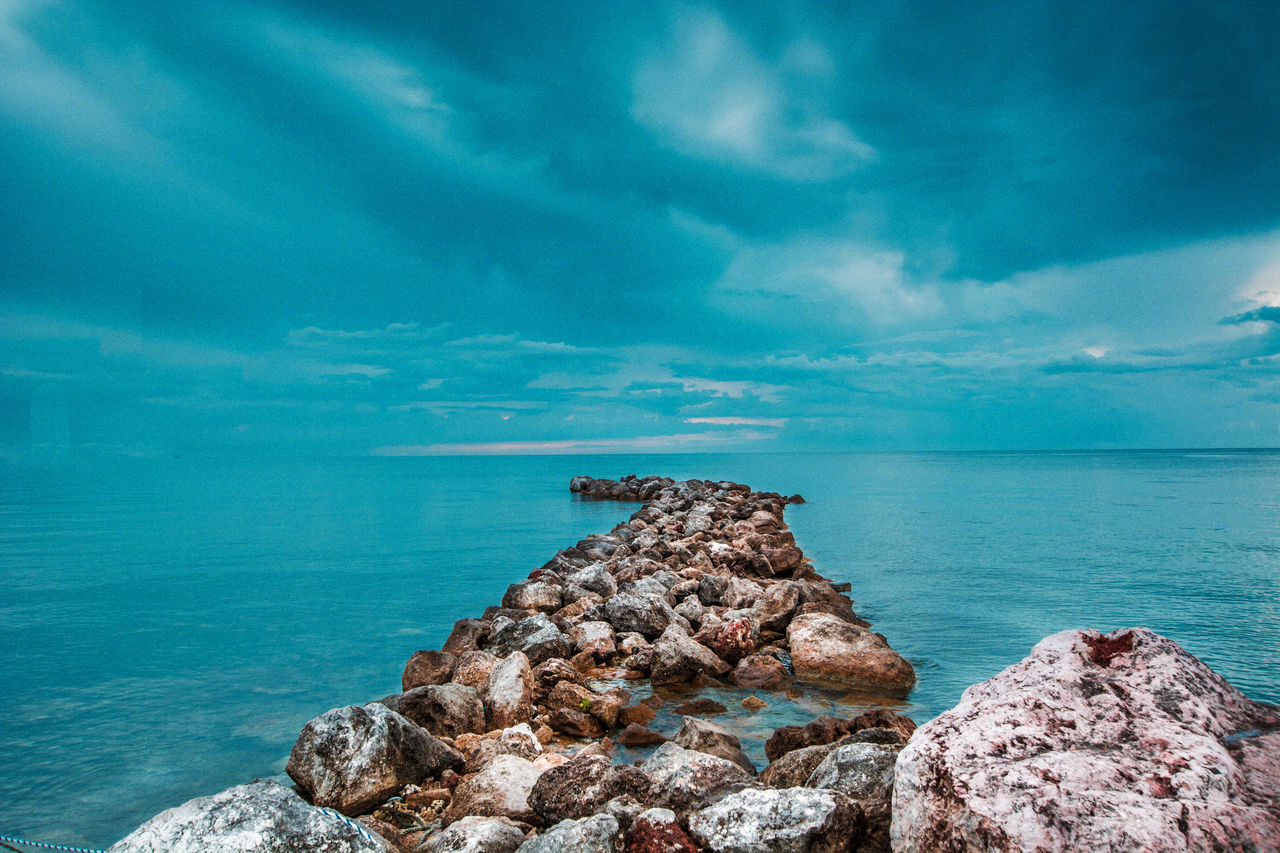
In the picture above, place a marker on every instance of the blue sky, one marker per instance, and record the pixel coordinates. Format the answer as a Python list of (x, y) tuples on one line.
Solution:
[(388, 227)]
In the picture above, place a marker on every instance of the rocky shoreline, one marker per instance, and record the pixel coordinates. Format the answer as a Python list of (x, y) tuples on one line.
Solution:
[(505, 739)]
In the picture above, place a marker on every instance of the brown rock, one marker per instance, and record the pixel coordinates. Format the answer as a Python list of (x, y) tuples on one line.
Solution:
[(636, 715), (582, 786), (427, 668), (576, 723), (754, 703), (473, 669), (657, 831), (466, 636), (827, 649), (701, 705), (635, 735), (731, 640), (761, 672)]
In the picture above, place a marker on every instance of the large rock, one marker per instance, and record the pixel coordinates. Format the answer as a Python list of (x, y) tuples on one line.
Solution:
[(648, 614), (260, 817), (595, 578), (730, 640), (677, 658), (501, 789), (427, 667), (793, 769), (864, 773), (446, 710), (582, 786), (508, 695), (685, 780), (791, 820), (354, 758), (533, 595), (658, 831), (829, 650), (477, 835), (595, 638), (536, 637), (706, 736), (473, 670), (592, 834), (1092, 743), (761, 672)]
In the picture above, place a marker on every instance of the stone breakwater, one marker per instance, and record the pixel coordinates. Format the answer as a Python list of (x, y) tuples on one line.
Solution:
[(504, 739)]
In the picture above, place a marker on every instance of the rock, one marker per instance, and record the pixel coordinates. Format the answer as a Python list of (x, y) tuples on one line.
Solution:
[(518, 740), (508, 695), (260, 817), (576, 723), (701, 705), (741, 593), (594, 578), (730, 640), (802, 820), (685, 780), (649, 614), (582, 786), (537, 637), (589, 835), (657, 831), (625, 809), (550, 673), (691, 609), (711, 588), (777, 604), (477, 835), (754, 703), (636, 735), (427, 668), (446, 710), (761, 672), (793, 769), (567, 694), (829, 650), (595, 638), (706, 736), (473, 670), (533, 595), (499, 790), (607, 707), (466, 636), (353, 758), (864, 773), (636, 715), (677, 658), (1094, 742), (820, 730)]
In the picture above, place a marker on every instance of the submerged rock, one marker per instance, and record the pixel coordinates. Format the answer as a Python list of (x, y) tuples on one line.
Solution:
[(1092, 743), (827, 649), (260, 817), (354, 758)]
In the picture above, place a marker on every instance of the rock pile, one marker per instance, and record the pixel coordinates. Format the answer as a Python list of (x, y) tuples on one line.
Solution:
[(703, 586)]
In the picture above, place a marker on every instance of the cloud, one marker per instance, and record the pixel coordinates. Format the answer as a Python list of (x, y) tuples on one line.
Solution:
[(707, 94), (674, 443), (734, 421)]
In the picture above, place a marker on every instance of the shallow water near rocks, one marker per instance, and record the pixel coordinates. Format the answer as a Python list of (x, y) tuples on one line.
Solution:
[(170, 625)]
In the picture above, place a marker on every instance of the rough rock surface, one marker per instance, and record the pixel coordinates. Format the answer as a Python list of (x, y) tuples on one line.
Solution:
[(445, 710), (685, 780), (677, 658), (706, 736), (427, 667), (582, 786), (537, 637), (792, 820), (508, 694), (588, 835), (658, 831), (1094, 742), (353, 758), (477, 835), (260, 817), (500, 790), (864, 773), (827, 649)]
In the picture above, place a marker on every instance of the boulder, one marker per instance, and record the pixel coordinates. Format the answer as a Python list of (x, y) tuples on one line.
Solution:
[(677, 658), (354, 758), (647, 614), (761, 672), (731, 640), (1094, 742), (473, 670), (518, 740), (594, 578), (508, 695), (260, 817), (445, 710), (636, 715), (576, 723), (467, 635), (685, 780), (658, 831), (791, 820), (793, 769), (476, 835), (536, 637), (636, 735), (595, 638), (741, 593), (533, 595), (592, 834), (582, 786), (864, 773), (706, 736), (820, 730), (426, 668), (829, 650), (499, 790), (775, 607), (551, 673)]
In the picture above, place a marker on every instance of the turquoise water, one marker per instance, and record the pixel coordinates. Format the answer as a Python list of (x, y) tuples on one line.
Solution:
[(169, 625)]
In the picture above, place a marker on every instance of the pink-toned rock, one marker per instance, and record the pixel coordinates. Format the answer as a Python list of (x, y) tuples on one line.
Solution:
[(1093, 742), (827, 649), (508, 694), (427, 668)]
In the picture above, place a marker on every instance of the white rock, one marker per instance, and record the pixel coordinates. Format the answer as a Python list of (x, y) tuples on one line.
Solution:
[(586, 835), (787, 820)]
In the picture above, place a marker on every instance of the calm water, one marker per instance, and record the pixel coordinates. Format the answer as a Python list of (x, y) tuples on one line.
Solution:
[(169, 626)]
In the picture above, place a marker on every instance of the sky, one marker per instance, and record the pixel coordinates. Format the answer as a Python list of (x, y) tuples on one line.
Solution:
[(397, 228)]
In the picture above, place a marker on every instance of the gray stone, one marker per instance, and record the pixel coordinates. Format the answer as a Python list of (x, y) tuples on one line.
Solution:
[(593, 834), (477, 835), (508, 695), (790, 820), (685, 780), (536, 637)]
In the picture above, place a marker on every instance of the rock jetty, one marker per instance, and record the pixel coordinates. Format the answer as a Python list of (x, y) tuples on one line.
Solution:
[(503, 739)]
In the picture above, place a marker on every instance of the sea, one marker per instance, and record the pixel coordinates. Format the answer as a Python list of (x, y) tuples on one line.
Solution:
[(169, 625)]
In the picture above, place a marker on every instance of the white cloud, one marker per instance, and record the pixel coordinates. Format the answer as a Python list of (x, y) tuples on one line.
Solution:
[(707, 94), (731, 421), (674, 443)]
